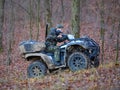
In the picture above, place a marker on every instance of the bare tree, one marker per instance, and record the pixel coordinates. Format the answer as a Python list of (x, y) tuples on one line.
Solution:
[(1, 21), (30, 15), (48, 13), (38, 19), (118, 36), (63, 14), (117, 44), (76, 18), (114, 4), (10, 34), (102, 28)]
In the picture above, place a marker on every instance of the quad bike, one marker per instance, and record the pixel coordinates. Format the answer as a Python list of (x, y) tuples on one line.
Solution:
[(76, 54)]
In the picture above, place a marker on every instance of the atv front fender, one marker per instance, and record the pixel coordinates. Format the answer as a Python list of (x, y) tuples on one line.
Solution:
[(46, 59)]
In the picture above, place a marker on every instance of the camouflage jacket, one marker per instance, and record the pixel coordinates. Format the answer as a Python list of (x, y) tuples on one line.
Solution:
[(53, 38)]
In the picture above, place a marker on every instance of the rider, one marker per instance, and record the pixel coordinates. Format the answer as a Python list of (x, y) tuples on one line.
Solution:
[(53, 37)]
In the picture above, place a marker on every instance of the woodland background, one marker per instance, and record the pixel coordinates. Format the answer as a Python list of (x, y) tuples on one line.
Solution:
[(26, 19)]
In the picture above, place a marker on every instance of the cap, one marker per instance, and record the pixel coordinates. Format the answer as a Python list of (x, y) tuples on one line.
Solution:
[(59, 26)]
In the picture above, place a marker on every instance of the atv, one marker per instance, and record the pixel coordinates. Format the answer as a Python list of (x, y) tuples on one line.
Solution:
[(75, 54)]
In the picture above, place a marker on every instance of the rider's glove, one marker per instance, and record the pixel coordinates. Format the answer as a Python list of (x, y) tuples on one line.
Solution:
[(65, 36)]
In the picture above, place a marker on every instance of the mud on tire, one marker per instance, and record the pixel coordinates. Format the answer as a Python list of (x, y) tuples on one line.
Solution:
[(36, 69), (78, 61)]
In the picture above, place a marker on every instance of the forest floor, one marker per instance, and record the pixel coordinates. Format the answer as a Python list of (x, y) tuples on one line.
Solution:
[(106, 77)]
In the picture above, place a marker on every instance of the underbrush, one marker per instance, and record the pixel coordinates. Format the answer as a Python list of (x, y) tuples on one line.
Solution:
[(106, 77)]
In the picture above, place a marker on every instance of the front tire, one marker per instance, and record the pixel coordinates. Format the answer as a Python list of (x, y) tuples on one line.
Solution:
[(78, 61), (36, 69)]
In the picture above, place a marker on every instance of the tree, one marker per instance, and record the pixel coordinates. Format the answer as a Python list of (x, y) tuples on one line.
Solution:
[(102, 28), (117, 44), (10, 34), (48, 14), (1, 20), (118, 36), (76, 18), (114, 4), (63, 14), (38, 18), (30, 15)]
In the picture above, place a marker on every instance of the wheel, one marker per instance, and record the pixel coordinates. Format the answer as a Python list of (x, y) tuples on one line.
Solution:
[(96, 62), (78, 61), (36, 69)]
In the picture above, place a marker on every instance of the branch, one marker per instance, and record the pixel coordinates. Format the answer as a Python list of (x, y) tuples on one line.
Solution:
[(21, 7)]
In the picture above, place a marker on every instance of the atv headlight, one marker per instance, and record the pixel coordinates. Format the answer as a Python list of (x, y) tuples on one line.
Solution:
[(70, 37)]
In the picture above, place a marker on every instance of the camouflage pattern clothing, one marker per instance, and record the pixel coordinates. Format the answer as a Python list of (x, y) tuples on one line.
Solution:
[(51, 42)]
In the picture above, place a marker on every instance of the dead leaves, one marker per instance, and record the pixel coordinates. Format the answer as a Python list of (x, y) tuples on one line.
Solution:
[(106, 76)]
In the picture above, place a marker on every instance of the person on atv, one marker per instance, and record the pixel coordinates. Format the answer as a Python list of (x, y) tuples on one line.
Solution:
[(53, 38)]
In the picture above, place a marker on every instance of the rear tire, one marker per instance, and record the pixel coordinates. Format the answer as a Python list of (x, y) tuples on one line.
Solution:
[(36, 69), (78, 61)]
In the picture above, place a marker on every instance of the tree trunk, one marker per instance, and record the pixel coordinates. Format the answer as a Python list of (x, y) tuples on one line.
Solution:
[(118, 37), (117, 44), (102, 29), (31, 29), (10, 36), (76, 18), (38, 19), (114, 4), (62, 15), (48, 14), (1, 21)]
